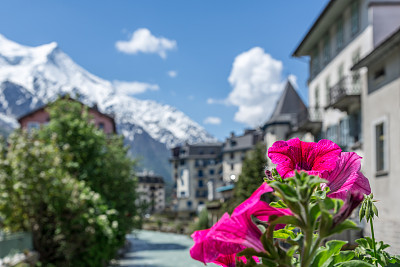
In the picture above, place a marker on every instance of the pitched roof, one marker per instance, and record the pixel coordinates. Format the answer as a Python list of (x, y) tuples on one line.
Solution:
[(288, 107)]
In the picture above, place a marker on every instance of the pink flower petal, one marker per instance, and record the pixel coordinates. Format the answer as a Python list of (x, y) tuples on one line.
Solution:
[(347, 177), (313, 158), (232, 234)]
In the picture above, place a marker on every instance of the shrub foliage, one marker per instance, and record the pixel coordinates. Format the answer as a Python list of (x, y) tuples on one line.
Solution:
[(71, 185)]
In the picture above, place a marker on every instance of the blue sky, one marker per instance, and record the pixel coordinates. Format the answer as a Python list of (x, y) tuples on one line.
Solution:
[(223, 63)]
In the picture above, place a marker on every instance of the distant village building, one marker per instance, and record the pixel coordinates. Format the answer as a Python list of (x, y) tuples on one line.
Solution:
[(197, 171), (234, 151), (208, 171), (151, 192), (381, 134), (38, 117)]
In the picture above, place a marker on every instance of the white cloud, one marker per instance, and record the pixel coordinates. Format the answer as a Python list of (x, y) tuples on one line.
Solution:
[(134, 88), (256, 80), (212, 120), (172, 73), (143, 41)]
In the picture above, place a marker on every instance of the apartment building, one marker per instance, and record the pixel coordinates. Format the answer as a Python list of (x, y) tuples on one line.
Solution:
[(197, 171), (151, 191), (344, 32), (381, 130), (361, 109), (235, 149)]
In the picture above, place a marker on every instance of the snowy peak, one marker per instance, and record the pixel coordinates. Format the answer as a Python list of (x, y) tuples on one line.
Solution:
[(36, 75), (14, 53)]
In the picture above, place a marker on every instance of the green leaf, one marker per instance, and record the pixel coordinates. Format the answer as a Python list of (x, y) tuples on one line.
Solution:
[(356, 263), (342, 256), (324, 253), (346, 225), (284, 234), (362, 211), (374, 209), (278, 204)]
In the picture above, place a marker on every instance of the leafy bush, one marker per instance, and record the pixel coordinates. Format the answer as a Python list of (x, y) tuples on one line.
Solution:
[(71, 185)]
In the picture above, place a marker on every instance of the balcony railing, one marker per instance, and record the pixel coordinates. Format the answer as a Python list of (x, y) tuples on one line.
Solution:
[(346, 92)]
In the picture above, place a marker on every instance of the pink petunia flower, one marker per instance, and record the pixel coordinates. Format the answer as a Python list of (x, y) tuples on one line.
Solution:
[(314, 158), (347, 177), (353, 199), (232, 234)]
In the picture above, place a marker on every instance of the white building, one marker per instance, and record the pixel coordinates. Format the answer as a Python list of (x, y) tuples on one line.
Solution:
[(345, 31), (151, 191), (197, 171), (235, 149), (361, 110), (381, 130)]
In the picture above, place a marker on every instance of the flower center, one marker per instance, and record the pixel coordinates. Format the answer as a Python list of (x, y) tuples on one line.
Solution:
[(303, 165)]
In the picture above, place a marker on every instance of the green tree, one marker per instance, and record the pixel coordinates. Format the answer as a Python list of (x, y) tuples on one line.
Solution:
[(71, 185), (69, 222), (99, 160)]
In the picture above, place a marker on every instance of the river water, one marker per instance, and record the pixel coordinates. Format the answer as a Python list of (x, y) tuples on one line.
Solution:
[(155, 249)]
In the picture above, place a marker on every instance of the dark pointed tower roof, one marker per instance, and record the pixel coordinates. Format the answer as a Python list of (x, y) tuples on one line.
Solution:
[(288, 107)]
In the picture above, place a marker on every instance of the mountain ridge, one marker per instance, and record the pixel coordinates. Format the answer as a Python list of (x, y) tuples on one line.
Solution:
[(33, 76)]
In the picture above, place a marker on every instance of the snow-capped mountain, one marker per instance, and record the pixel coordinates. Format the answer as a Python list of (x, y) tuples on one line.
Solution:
[(33, 76)]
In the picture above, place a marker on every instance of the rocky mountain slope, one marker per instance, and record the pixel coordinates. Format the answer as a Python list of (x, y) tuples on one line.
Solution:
[(33, 76)]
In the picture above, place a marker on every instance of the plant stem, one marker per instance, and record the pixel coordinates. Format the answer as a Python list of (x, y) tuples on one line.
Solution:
[(373, 239)]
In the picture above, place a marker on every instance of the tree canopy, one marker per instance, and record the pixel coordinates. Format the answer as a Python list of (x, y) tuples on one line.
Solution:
[(71, 185)]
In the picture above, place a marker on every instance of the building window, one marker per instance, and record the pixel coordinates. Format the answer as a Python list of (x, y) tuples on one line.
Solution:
[(344, 132), (101, 125), (341, 72), (201, 184), (379, 74), (232, 166), (381, 139), (316, 95), (339, 35), (356, 81), (232, 155), (355, 18), (328, 90), (212, 171), (200, 173), (327, 50), (315, 63), (332, 133), (189, 203)]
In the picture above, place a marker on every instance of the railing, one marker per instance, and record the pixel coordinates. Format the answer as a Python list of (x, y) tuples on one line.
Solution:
[(349, 85), (14, 243)]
